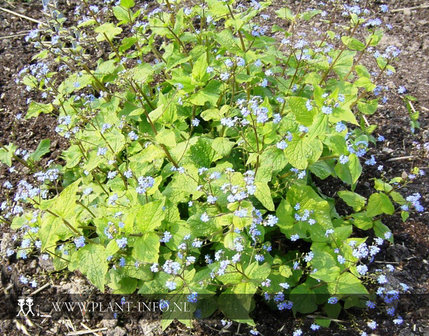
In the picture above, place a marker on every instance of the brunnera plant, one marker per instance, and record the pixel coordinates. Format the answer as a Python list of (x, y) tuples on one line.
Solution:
[(196, 140)]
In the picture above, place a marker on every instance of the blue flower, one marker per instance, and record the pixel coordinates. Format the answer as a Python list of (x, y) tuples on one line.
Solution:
[(327, 109), (333, 300), (402, 89), (339, 127), (166, 238), (79, 242), (315, 327), (343, 159), (102, 151), (122, 242), (370, 304), (193, 298), (372, 325), (171, 285), (371, 161), (204, 217)]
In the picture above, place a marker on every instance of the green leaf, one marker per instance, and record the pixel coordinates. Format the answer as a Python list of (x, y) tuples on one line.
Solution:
[(263, 194), (211, 114), (322, 169), (49, 230), (258, 272), (302, 151), (237, 307), (362, 221), (380, 185), (6, 154), (380, 230), (72, 155), (64, 204), (166, 137), (146, 248), (308, 15), (285, 13), (299, 109), (209, 94), (356, 201), (405, 215), (352, 43), (303, 298), (347, 283), (285, 271), (42, 149), (202, 153), (368, 107), (222, 146), (200, 67), (344, 63), (89, 260), (121, 14), (127, 3), (36, 108), (218, 8), (379, 203), (149, 217), (350, 171), (107, 31), (397, 197), (326, 264)]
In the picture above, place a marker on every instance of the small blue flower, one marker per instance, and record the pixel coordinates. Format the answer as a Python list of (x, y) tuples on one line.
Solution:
[(204, 217), (171, 285), (339, 127), (315, 327), (333, 300), (370, 304), (193, 298), (343, 159), (166, 238), (122, 242), (79, 242), (372, 325), (327, 109), (402, 89)]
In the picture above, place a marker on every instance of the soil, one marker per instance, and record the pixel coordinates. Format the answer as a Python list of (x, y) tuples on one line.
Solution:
[(399, 153)]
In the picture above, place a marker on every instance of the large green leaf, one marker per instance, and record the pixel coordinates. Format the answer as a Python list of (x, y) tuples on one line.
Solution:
[(210, 94), (302, 151), (107, 31), (149, 216), (299, 109), (347, 283), (34, 109), (200, 67), (263, 194), (146, 248), (379, 203), (42, 149), (6, 154), (356, 201), (90, 261)]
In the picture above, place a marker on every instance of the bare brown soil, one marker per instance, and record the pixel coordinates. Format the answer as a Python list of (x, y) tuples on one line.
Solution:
[(399, 154)]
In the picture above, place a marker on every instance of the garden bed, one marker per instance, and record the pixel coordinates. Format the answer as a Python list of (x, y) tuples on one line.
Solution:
[(398, 153)]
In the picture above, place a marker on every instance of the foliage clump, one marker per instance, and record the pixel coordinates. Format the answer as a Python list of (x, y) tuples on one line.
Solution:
[(197, 141)]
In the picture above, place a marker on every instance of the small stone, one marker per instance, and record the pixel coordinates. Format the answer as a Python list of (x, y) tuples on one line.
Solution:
[(118, 331)]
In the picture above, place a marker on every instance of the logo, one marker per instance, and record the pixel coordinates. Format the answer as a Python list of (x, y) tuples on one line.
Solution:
[(25, 302)]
